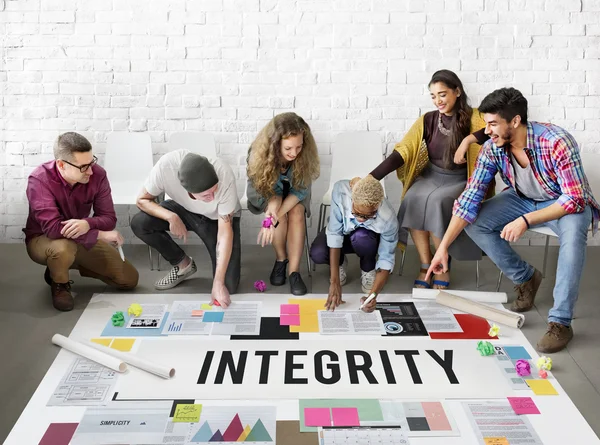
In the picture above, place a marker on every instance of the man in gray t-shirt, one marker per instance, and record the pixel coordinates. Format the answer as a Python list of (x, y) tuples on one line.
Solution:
[(201, 196)]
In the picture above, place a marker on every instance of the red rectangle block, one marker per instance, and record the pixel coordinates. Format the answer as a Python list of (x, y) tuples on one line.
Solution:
[(436, 416), (59, 434), (474, 328)]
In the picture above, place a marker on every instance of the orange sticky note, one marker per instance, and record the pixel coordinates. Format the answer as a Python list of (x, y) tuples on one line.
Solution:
[(495, 441), (197, 313), (123, 344)]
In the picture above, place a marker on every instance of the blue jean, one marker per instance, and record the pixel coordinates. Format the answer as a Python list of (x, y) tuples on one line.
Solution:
[(572, 231)]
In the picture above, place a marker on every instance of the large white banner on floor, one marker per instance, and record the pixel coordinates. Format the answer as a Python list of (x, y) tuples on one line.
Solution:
[(373, 368)]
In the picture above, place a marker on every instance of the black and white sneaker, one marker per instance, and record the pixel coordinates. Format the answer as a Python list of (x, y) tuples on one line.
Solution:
[(176, 276)]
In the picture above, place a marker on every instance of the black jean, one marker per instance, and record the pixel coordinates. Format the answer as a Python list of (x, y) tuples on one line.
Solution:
[(154, 232)]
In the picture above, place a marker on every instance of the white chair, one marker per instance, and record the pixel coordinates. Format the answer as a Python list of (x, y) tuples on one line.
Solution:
[(244, 204), (201, 143), (128, 163), (352, 154), (590, 163)]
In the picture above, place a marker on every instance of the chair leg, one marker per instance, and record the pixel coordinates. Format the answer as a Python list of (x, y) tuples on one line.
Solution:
[(150, 258), (307, 247), (499, 281), (158, 261), (477, 275), (545, 256), (401, 269), (321, 207)]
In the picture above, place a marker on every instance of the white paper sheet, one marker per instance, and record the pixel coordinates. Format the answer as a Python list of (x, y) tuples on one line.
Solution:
[(152, 316), (86, 383), (351, 322), (141, 423), (181, 322), (362, 435), (240, 318), (437, 318), (498, 419)]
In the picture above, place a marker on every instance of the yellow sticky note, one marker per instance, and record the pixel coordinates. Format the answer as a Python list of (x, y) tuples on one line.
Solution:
[(542, 387), (102, 341), (495, 441), (123, 344), (206, 307), (187, 413), (309, 321)]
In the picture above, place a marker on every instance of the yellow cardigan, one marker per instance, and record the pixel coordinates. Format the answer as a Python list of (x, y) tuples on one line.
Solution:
[(413, 150)]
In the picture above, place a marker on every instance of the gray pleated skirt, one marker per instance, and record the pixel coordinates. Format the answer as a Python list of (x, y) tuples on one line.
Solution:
[(428, 204)]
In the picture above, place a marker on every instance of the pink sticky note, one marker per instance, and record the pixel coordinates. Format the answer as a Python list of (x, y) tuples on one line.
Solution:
[(289, 309), (317, 417), (59, 434), (523, 405), (289, 320), (345, 416)]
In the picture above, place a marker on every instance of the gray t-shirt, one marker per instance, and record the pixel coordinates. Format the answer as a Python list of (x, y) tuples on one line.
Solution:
[(164, 179), (527, 183)]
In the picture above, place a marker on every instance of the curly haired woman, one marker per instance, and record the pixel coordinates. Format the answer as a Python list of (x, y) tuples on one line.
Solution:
[(282, 164), (430, 162)]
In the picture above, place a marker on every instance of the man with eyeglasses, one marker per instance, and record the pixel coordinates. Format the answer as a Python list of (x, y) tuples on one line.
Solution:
[(60, 233), (362, 221)]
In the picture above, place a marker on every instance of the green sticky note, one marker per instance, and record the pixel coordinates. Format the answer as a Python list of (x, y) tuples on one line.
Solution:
[(206, 307), (187, 413)]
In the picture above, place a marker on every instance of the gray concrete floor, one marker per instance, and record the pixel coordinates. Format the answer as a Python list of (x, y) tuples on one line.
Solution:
[(28, 321)]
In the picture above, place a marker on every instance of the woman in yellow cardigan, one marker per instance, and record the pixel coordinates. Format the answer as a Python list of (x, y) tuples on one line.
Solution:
[(426, 163)]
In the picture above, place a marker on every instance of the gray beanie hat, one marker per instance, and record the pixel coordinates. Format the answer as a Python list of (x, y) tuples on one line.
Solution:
[(197, 174)]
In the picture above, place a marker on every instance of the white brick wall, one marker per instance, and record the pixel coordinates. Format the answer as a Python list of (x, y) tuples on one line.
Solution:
[(227, 66)]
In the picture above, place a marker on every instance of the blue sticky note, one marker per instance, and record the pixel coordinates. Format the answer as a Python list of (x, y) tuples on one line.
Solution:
[(516, 352), (213, 317), (116, 331)]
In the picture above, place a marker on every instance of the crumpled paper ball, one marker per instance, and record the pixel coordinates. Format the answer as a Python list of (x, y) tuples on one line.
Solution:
[(135, 310), (485, 348), (523, 368), (267, 222), (260, 286), (544, 363), (118, 319), (543, 374), (494, 331)]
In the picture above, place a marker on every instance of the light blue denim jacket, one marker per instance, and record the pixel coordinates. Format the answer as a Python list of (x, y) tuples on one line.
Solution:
[(342, 222)]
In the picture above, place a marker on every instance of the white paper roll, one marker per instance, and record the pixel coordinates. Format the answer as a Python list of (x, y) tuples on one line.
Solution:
[(483, 297), (84, 350), (501, 316), (131, 359)]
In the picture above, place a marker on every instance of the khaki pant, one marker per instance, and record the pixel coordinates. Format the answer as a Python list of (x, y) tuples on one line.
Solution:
[(102, 261)]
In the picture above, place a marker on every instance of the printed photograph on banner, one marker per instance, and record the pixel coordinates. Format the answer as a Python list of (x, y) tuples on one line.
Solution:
[(401, 319), (152, 317)]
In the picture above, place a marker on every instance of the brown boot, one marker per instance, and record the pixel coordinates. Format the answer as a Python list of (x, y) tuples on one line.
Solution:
[(61, 296), (526, 293), (556, 338)]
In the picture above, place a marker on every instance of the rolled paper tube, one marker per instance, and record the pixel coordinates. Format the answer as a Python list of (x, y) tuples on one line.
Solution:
[(267, 222), (141, 363), (502, 316), (100, 357), (482, 297)]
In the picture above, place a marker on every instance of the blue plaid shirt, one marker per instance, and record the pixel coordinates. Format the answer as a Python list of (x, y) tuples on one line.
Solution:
[(342, 222), (556, 163)]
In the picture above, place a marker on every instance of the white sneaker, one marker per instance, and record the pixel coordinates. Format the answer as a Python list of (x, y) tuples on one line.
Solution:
[(366, 280), (343, 275), (176, 276)]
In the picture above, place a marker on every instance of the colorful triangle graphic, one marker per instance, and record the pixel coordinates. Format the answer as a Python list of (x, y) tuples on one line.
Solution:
[(217, 437), (234, 430), (245, 434), (204, 434), (259, 433)]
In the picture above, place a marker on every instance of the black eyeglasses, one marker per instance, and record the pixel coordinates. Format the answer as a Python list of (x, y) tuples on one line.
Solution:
[(362, 215), (85, 167)]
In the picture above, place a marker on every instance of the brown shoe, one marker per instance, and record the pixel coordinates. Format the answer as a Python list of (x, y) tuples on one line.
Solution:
[(526, 293), (61, 296), (556, 338)]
